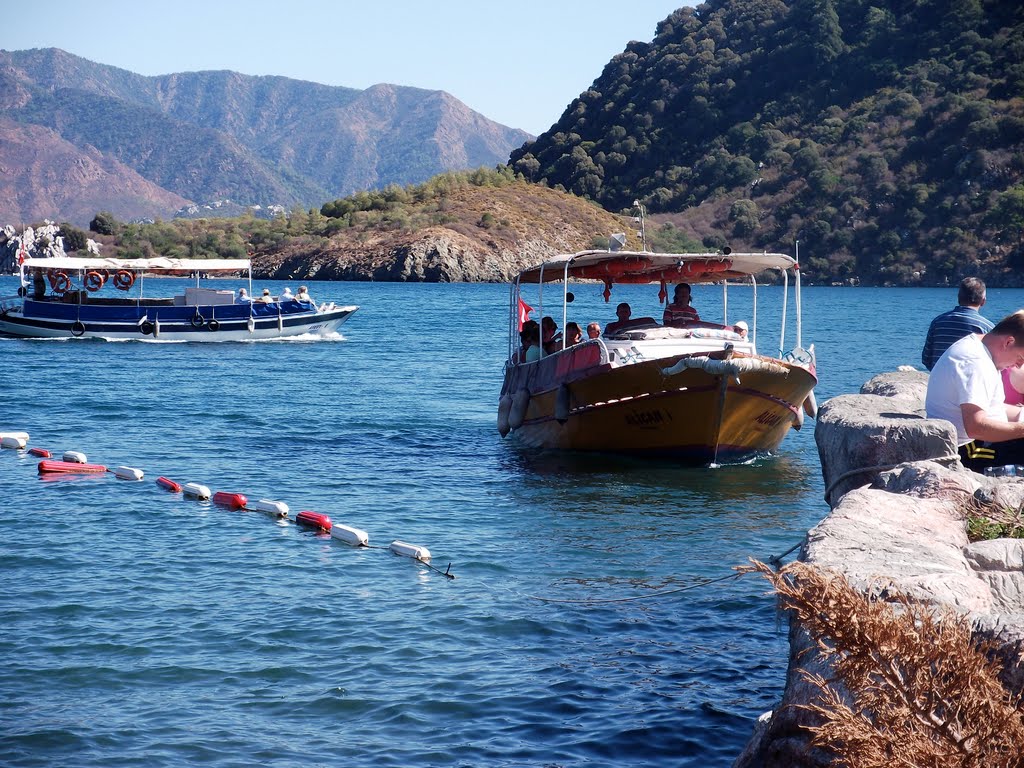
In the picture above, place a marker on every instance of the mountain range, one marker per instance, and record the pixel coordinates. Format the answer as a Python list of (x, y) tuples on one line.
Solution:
[(77, 137)]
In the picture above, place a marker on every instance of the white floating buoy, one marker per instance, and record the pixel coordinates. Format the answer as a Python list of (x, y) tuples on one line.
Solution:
[(410, 550), (127, 473), (76, 456), (13, 441), (18, 435), (349, 535), (276, 508), (195, 490), (811, 405)]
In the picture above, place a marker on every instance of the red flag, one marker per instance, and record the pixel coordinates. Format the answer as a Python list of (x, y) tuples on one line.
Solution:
[(524, 313)]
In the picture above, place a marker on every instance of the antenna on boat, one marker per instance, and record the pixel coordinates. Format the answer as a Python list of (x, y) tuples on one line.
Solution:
[(641, 221)]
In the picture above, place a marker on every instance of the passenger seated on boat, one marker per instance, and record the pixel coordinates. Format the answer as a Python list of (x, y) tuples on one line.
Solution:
[(286, 294), (531, 342), (623, 312), (304, 297), (266, 298), (679, 313), (551, 335), (593, 330), (573, 334), (243, 297)]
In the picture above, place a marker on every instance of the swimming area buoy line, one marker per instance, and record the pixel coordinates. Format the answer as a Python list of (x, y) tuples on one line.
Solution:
[(76, 463)]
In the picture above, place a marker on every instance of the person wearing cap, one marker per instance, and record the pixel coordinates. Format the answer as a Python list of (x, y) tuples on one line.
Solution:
[(266, 298), (303, 296)]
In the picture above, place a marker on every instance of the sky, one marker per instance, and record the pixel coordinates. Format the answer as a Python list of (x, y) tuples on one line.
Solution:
[(517, 63)]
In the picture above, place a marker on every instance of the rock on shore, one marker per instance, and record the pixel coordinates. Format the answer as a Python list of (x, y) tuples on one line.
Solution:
[(898, 496)]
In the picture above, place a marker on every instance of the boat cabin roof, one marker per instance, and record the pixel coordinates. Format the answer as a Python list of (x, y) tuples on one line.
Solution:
[(644, 267), (159, 264)]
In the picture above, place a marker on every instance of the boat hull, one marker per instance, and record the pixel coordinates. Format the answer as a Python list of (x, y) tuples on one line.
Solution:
[(168, 323), (693, 415)]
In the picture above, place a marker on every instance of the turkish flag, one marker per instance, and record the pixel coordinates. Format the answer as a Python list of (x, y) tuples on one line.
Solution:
[(524, 313)]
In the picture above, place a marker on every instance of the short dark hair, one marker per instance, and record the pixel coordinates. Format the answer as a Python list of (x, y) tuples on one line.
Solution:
[(1011, 325), (623, 304), (972, 292)]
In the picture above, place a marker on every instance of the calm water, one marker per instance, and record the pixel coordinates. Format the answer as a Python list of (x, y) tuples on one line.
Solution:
[(143, 629)]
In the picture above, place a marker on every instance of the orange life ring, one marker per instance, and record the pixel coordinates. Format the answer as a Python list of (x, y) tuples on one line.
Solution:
[(124, 279), (93, 281), (60, 282)]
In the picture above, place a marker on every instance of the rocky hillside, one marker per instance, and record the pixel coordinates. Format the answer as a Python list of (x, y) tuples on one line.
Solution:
[(888, 138), (204, 136)]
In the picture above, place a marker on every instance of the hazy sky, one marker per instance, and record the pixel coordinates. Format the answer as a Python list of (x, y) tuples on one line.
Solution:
[(518, 63)]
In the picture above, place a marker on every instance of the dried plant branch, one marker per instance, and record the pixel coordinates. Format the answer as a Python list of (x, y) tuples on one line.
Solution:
[(915, 688)]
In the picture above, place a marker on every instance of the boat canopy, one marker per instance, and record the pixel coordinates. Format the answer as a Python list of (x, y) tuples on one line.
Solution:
[(645, 267), (160, 264)]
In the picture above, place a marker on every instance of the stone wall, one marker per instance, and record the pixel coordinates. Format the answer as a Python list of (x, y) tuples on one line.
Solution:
[(897, 493)]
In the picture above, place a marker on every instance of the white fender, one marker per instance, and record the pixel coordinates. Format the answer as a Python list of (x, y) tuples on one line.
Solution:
[(504, 408), (76, 456), (280, 323), (252, 324), (563, 404), (128, 473), (811, 405), (414, 551), (520, 402), (13, 441), (156, 328), (276, 508), (22, 435), (195, 491)]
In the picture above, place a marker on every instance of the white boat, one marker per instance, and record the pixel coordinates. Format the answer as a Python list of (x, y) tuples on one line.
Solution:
[(693, 391), (96, 297)]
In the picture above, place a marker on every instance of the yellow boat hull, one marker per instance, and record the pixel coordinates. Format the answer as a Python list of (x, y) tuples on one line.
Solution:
[(694, 415)]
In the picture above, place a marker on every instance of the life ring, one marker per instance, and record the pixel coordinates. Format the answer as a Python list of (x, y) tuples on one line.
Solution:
[(60, 282), (146, 327), (77, 328), (214, 324), (124, 279), (198, 321), (93, 281)]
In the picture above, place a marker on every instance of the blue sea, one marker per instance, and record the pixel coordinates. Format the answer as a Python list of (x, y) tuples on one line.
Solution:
[(593, 620)]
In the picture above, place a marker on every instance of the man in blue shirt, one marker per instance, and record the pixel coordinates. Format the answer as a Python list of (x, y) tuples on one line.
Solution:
[(950, 327)]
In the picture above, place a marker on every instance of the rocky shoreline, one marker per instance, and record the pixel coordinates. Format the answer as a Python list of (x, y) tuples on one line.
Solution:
[(898, 496)]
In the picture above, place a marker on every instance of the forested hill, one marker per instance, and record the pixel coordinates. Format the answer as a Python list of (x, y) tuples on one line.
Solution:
[(886, 137)]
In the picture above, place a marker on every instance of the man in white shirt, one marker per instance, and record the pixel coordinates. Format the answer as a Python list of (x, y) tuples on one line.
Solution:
[(965, 388)]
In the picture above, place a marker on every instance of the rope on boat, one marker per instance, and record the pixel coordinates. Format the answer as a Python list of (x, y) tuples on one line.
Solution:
[(732, 367)]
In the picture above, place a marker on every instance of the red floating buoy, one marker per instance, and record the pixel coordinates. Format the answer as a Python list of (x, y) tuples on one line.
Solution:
[(69, 467), (314, 520), (229, 500), (170, 485), (40, 452)]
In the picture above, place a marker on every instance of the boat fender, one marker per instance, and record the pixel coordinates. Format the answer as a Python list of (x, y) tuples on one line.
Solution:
[(77, 328), (13, 441), (128, 473), (69, 467), (40, 452), (276, 508), (349, 535), (93, 281), (77, 456), (252, 325), (316, 520), (198, 321), (563, 403), (146, 327), (170, 485), (214, 324), (156, 328), (195, 491), (798, 419), (520, 402), (15, 434), (410, 550), (229, 500), (124, 279), (811, 405), (504, 407), (280, 324)]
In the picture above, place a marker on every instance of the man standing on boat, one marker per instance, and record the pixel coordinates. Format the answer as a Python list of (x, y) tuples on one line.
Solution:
[(958, 322), (966, 389)]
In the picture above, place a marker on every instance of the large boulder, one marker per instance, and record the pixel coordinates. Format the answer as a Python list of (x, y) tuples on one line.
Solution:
[(860, 436)]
